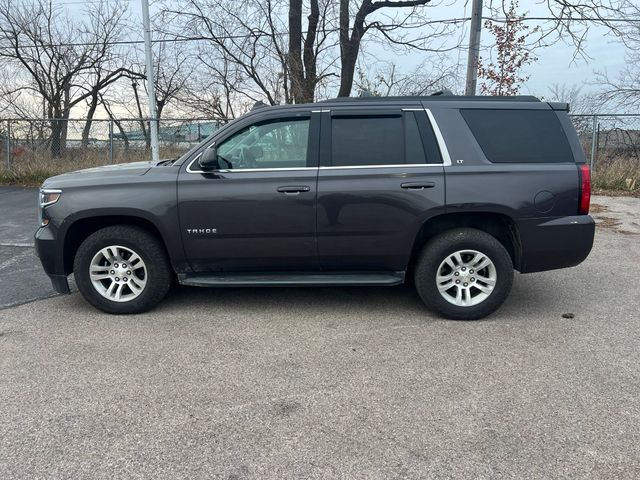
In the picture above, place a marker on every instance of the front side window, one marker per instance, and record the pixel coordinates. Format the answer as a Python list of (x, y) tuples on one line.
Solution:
[(272, 144)]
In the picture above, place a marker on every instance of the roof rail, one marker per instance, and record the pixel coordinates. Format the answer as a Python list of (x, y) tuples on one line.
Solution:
[(259, 104), (442, 93), (438, 96)]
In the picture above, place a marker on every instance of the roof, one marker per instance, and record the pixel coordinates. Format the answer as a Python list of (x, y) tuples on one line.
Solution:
[(372, 101)]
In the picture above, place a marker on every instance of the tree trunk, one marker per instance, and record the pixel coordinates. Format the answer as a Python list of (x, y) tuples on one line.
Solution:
[(56, 137), (309, 54), (296, 72), (143, 125), (349, 47), (90, 113)]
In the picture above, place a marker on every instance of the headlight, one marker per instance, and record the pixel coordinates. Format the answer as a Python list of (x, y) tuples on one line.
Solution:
[(48, 196)]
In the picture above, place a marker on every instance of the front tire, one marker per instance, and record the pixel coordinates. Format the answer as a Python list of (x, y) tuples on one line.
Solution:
[(464, 274), (122, 270)]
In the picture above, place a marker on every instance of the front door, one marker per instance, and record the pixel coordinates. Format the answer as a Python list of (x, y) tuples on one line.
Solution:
[(257, 212)]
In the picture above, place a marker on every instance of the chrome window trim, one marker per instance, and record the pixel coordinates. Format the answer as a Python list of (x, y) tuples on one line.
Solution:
[(394, 165), (242, 170), (444, 151)]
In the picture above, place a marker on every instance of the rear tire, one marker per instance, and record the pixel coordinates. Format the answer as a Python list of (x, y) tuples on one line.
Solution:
[(464, 274), (122, 270)]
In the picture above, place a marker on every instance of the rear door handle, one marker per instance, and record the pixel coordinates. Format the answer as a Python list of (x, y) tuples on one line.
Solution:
[(293, 189), (418, 185)]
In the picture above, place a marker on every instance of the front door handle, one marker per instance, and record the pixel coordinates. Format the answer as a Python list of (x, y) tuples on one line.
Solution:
[(293, 189), (418, 185)]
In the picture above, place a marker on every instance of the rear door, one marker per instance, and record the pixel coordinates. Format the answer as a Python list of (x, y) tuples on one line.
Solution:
[(381, 176)]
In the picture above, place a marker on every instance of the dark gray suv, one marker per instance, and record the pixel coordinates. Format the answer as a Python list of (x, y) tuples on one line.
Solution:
[(450, 193)]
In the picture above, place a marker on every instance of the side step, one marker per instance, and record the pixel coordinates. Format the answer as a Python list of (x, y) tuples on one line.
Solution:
[(292, 279)]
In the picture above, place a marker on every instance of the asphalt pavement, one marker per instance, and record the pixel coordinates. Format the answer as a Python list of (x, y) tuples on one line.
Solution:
[(21, 276), (331, 383)]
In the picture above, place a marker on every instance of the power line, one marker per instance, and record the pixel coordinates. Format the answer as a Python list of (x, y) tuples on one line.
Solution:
[(83, 2), (278, 34)]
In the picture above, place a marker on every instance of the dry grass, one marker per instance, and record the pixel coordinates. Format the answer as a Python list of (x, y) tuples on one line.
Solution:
[(31, 170), (617, 176)]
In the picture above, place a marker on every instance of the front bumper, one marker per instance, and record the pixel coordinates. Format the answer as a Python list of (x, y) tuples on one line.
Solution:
[(551, 243), (50, 255)]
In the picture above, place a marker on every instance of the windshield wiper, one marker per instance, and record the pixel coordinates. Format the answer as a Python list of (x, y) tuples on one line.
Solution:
[(165, 163)]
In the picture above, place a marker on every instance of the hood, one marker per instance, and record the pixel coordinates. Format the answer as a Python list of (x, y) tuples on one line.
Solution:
[(98, 174)]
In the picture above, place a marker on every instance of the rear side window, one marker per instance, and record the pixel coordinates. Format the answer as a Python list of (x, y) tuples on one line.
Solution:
[(519, 136), (361, 140), (357, 141)]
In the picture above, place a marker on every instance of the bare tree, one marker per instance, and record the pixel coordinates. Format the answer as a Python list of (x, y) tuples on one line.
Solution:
[(59, 55), (623, 90), (212, 95), (352, 32), (582, 104), (570, 21), (389, 80), (259, 50)]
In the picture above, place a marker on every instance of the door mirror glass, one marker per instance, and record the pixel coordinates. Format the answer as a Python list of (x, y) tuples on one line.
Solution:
[(209, 159)]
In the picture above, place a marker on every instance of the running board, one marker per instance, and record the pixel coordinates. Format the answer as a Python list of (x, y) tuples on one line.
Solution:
[(291, 279)]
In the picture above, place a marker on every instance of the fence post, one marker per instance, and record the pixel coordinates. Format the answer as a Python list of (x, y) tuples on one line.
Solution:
[(111, 140), (8, 145), (594, 141)]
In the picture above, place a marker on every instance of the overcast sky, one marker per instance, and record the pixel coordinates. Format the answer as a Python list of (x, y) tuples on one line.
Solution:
[(555, 65)]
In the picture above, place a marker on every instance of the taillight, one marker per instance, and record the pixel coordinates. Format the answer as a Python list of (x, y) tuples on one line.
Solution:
[(585, 189)]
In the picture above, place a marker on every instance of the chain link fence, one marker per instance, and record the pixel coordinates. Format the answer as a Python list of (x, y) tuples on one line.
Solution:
[(33, 149), (611, 143), (78, 143)]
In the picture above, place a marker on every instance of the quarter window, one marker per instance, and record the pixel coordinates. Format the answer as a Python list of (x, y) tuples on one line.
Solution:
[(273, 144), (519, 136)]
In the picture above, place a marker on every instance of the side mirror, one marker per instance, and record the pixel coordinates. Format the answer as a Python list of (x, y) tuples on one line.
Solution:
[(209, 159)]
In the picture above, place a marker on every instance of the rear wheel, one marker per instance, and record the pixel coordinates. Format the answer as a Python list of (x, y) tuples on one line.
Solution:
[(122, 269), (464, 274)]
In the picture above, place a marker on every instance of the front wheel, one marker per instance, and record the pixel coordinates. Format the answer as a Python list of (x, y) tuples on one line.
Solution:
[(122, 269), (464, 274)]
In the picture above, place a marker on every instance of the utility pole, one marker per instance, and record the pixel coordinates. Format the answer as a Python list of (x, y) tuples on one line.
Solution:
[(474, 48), (151, 84)]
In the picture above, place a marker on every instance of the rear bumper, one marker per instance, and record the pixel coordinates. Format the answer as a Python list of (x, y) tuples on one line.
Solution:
[(550, 243), (48, 252)]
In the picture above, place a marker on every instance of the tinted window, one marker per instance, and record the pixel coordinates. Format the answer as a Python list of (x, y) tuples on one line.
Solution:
[(413, 141), (275, 144), (429, 140), (367, 141), (519, 136)]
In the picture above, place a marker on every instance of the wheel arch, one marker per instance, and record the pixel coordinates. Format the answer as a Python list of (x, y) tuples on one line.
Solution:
[(498, 225), (84, 226)]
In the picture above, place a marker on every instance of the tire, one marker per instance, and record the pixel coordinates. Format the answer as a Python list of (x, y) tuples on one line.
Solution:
[(136, 287), (479, 297)]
